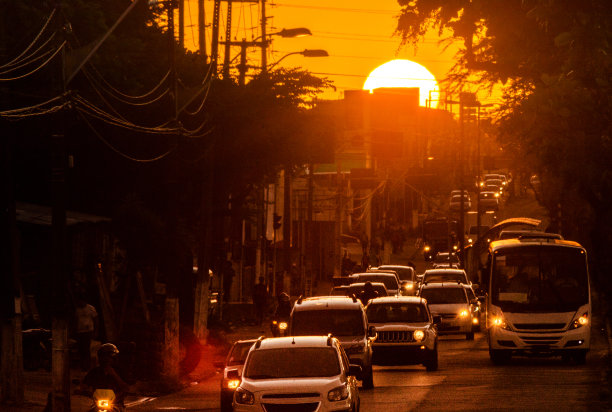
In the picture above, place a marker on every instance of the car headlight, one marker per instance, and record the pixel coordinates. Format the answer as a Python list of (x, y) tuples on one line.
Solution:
[(409, 286), (231, 383), (464, 313), (500, 322), (418, 335), (282, 325), (427, 248), (244, 397), (338, 394), (496, 194), (580, 322)]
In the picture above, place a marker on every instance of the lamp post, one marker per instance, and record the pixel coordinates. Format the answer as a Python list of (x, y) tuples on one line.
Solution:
[(261, 42), (305, 53)]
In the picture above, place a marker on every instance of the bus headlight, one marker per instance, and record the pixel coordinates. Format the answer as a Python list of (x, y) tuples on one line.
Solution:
[(500, 322), (581, 321), (418, 335)]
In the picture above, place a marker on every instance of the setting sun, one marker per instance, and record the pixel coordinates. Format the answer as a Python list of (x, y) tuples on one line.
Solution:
[(405, 73)]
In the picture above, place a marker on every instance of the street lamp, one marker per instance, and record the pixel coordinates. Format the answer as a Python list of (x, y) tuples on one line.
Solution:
[(259, 41), (305, 53)]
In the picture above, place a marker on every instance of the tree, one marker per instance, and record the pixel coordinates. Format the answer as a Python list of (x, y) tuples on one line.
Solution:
[(554, 60)]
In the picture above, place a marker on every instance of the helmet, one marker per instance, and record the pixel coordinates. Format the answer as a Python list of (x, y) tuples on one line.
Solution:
[(283, 297), (107, 349)]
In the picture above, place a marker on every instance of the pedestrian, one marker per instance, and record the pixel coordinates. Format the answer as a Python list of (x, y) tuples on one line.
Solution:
[(86, 320), (228, 276), (260, 299), (368, 293)]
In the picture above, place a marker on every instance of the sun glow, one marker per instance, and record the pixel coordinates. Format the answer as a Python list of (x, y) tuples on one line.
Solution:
[(405, 73)]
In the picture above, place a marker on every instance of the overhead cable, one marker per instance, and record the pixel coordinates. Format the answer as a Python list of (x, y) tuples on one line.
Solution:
[(119, 152), (22, 62), (125, 95), (94, 111), (36, 69), (93, 82), (33, 41)]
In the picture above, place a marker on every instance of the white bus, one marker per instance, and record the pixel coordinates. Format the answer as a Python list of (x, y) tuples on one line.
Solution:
[(539, 299)]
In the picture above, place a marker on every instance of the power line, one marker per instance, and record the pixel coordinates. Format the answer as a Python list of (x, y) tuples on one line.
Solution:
[(341, 9)]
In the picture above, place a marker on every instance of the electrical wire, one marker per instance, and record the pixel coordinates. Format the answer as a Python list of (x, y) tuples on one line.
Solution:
[(36, 69), (119, 152), (33, 107), (22, 62), (33, 41), (94, 111), (110, 93), (127, 96)]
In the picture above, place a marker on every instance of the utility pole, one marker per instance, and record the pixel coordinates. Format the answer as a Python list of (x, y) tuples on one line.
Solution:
[(228, 38), (264, 39), (181, 30), (11, 347), (11, 360), (287, 221), (202, 30), (171, 307)]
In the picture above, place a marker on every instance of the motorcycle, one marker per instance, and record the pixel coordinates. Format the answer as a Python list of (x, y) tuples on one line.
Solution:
[(279, 326), (104, 401)]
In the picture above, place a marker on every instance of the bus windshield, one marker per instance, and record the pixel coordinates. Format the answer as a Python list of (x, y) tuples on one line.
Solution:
[(535, 278)]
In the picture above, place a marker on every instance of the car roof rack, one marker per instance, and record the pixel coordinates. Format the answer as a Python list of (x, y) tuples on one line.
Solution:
[(259, 340)]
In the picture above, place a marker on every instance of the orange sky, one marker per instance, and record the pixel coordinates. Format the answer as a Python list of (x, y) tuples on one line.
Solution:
[(357, 34)]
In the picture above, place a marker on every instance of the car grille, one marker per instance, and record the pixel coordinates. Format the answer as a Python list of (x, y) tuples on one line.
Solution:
[(291, 395), (539, 326), (291, 407), (394, 336), (540, 340)]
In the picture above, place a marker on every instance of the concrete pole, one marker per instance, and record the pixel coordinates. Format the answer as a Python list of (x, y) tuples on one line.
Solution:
[(202, 30)]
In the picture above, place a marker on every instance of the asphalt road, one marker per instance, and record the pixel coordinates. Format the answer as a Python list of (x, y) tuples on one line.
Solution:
[(466, 380)]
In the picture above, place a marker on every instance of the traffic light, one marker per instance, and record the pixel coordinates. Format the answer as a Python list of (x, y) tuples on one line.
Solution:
[(276, 224)]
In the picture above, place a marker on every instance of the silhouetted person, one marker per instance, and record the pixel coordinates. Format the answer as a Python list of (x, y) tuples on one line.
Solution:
[(86, 323), (260, 299), (368, 293), (283, 309)]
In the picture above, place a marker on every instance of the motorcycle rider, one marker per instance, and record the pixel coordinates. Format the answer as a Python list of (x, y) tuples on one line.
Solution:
[(105, 376), (281, 314), (283, 309)]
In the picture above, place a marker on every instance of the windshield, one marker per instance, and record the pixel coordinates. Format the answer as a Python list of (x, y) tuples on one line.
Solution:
[(440, 296), (348, 322), (445, 277), (292, 363), (390, 281), (397, 312), (403, 273), (540, 278), (239, 353)]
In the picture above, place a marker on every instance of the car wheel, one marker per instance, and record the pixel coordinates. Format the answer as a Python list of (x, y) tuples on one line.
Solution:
[(499, 357), (469, 335), (368, 379), (431, 364)]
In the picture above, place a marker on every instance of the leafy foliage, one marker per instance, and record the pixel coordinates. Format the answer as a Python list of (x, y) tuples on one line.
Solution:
[(555, 58)]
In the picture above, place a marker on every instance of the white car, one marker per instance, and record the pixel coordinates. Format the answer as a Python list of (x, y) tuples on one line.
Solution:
[(298, 373), (450, 301), (406, 332)]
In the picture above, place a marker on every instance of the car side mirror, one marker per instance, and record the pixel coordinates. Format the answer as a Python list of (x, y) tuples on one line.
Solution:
[(372, 332), (437, 319), (354, 370), (233, 374)]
